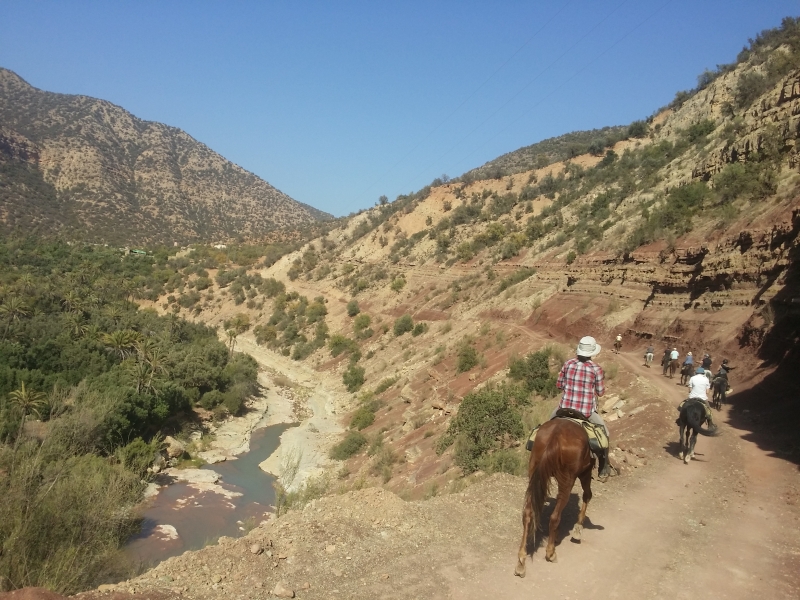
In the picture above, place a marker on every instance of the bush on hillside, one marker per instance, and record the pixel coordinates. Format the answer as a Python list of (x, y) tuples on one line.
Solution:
[(352, 308), (363, 417), (403, 325), (349, 446), (486, 421), (467, 357), (353, 377), (533, 372)]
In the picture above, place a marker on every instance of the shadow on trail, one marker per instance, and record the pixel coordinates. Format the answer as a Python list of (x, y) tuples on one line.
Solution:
[(569, 517), (770, 410)]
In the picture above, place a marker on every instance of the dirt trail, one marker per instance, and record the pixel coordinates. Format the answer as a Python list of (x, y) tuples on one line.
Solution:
[(720, 527)]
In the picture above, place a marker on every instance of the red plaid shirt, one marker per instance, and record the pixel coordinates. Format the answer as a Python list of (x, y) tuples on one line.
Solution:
[(580, 382)]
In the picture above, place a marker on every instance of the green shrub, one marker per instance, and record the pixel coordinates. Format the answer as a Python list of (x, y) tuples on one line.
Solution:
[(353, 378), (398, 284), (419, 329), (505, 460), (467, 357), (484, 419), (638, 129), (403, 325), (386, 384), (516, 277), (349, 446), (339, 343), (138, 456), (64, 517), (363, 417), (750, 86), (698, 132), (534, 373), (211, 399), (571, 256), (361, 322)]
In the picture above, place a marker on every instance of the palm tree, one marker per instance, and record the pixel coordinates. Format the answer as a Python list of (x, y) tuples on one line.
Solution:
[(121, 342), (25, 282), (13, 309), (28, 401), (158, 364), (114, 313), (232, 335), (77, 326), (72, 301), (140, 371)]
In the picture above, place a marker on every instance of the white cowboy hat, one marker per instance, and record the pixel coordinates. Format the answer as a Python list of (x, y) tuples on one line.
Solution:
[(588, 347)]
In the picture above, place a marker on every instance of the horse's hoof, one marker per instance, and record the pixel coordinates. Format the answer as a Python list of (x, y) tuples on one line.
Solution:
[(576, 533), (519, 571), (552, 559), (686, 460)]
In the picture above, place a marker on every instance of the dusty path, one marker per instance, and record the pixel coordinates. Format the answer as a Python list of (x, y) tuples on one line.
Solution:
[(719, 527)]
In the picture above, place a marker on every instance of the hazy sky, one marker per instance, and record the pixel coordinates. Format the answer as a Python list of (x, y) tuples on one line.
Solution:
[(336, 103)]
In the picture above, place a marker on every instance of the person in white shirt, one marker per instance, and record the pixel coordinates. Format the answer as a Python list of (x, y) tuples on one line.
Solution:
[(698, 390)]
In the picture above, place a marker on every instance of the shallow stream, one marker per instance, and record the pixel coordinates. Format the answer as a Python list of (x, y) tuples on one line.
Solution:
[(201, 517)]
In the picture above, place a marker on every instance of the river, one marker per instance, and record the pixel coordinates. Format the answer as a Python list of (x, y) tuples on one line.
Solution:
[(182, 517)]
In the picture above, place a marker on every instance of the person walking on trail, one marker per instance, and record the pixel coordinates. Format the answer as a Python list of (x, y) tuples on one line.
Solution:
[(698, 390), (582, 381), (648, 356), (618, 344)]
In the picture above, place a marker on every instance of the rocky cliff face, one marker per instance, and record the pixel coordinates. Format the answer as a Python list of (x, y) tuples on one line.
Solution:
[(113, 177)]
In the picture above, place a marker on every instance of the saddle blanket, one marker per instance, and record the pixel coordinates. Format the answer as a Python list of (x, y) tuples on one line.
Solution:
[(597, 436)]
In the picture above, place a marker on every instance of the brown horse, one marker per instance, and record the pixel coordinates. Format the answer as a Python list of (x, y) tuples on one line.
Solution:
[(561, 450), (673, 368)]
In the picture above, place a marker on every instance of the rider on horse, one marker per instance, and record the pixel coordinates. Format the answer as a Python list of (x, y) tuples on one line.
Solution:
[(648, 356), (723, 375), (665, 360), (707, 365), (581, 379), (698, 390), (689, 360)]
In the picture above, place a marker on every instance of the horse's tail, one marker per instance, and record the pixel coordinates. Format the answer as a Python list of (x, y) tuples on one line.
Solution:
[(539, 486), (696, 422)]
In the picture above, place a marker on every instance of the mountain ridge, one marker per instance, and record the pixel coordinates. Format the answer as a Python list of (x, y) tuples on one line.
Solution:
[(125, 180)]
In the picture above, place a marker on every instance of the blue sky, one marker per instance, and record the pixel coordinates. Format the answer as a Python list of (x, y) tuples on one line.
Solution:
[(336, 103)]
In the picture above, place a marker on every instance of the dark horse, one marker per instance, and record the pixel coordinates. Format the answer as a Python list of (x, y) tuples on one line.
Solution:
[(719, 386), (691, 420), (561, 450), (687, 371)]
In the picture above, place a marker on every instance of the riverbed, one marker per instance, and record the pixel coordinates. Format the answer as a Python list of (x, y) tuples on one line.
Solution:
[(182, 517)]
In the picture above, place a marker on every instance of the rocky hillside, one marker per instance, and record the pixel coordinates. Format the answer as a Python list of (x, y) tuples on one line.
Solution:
[(683, 232), (89, 168)]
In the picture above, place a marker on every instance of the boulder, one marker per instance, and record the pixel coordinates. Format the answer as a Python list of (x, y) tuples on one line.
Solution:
[(175, 449)]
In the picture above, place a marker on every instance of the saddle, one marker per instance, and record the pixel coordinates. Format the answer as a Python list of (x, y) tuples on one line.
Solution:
[(598, 440)]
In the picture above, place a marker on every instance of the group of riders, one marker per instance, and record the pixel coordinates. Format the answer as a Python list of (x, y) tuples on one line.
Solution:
[(581, 381)]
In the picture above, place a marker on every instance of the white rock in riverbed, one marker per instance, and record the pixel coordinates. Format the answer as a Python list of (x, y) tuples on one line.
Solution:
[(166, 532)]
